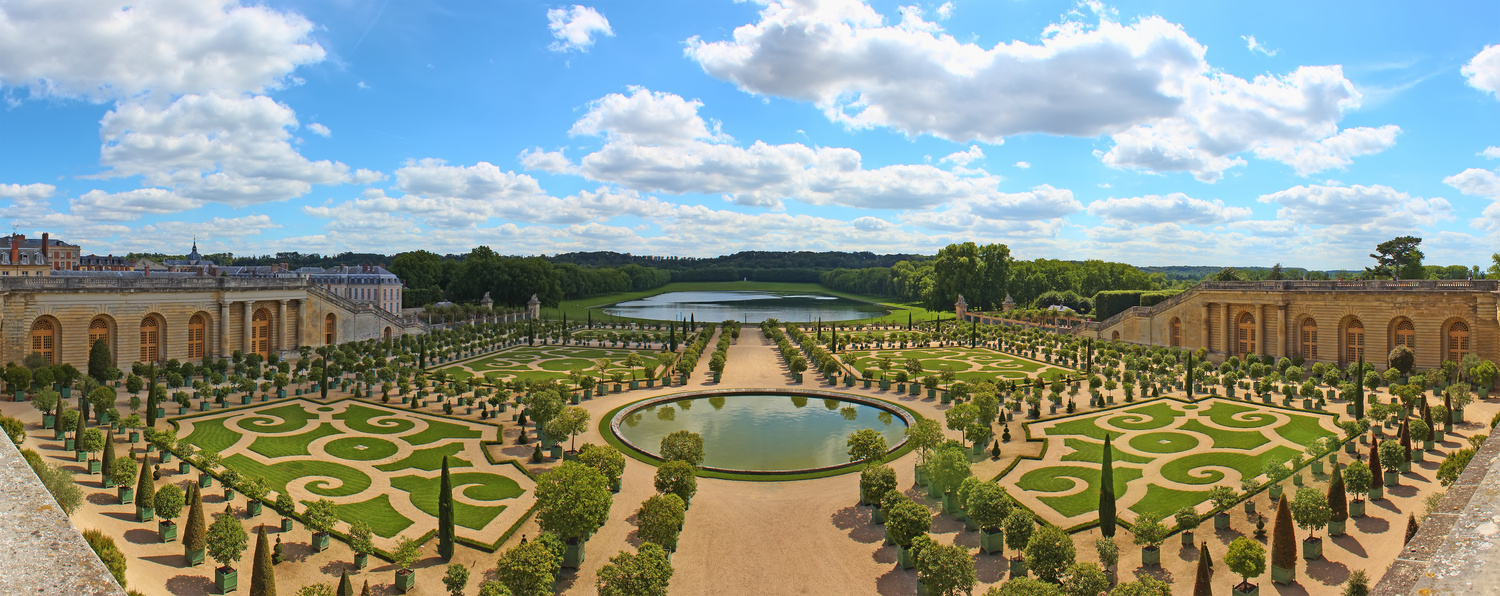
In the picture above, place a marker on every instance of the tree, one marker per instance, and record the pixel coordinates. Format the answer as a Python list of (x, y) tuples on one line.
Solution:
[(1283, 537), (875, 482), (1358, 478), (1402, 359), (317, 590), (456, 579), (226, 539), (660, 520), (1024, 586), (1453, 466), (572, 500), (193, 535), (1398, 255), (961, 417), (1338, 502), (145, 488), (168, 501), (1392, 455), (1148, 531), (1107, 490), (678, 478), (648, 572), (263, 574), (569, 423), (1310, 509), (445, 514), (1202, 583), (346, 588), (607, 460), (866, 445), (906, 520), (361, 538), (924, 435), (108, 552), (1084, 579), (321, 516), (1049, 552), (1358, 584), (528, 569), (1246, 558), (107, 468), (488, 588), (945, 570), (1018, 528), (683, 446), (408, 550), (948, 467), (1411, 527), (99, 361)]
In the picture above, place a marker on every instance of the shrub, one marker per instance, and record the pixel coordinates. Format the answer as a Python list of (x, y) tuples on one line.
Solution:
[(104, 546), (906, 520), (168, 501), (1018, 528), (684, 446), (875, 482), (1283, 537), (15, 429), (1148, 531), (988, 505), (660, 520), (866, 445), (1246, 558), (573, 500), (1084, 579), (647, 572), (1453, 466), (528, 569), (677, 477), (1049, 552), (58, 480), (945, 570), (607, 460)]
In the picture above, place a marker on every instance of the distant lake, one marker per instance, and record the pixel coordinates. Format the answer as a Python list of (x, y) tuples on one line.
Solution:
[(746, 307)]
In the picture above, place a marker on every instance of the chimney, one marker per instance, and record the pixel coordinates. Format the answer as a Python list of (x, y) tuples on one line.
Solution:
[(15, 248)]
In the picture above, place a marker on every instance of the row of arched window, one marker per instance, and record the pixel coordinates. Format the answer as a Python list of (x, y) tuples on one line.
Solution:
[(1351, 340), (46, 335)]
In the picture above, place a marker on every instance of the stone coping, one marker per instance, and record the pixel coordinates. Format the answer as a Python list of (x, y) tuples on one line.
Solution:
[(614, 423), (42, 552)]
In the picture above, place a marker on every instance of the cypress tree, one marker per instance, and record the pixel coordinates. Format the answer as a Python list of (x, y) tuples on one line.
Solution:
[(1107, 491), (107, 468), (1411, 527), (57, 419), (323, 376), (1283, 538), (1202, 585), (151, 405), (1375, 469), (79, 427), (99, 360), (193, 535), (445, 514), (1359, 391), (1406, 437), (1338, 500), (263, 574), (345, 587), (145, 489), (1190, 375)]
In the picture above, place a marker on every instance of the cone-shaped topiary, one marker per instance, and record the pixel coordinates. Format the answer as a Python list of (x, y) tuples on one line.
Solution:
[(193, 536), (1375, 463), (263, 574), (346, 588), (1283, 537), (107, 468), (1202, 585), (1405, 437), (145, 488), (1338, 501), (445, 514), (1107, 490), (1411, 527)]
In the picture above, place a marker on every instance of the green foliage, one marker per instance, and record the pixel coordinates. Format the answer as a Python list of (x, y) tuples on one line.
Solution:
[(572, 500), (645, 573), (1222, 496), (988, 505), (875, 482), (1187, 519), (1107, 489), (683, 446), (193, 535), (528, 569), (1049, 552), (408, 550), (1148, 530), (945, 570), (608, 460), (263, 572), (1143, 586), (906, 520), (1392, 455), (494, 588), (104, 546), (456, 579), (1109, 552), (226, 539), (1453, 466), (1283, 537), (677, 477), (569, 423), (660, 520), (1084, 579), (445, 515), (168, 501), (1109, 303), (15, 429), (1246, 558), (1358, 478), (1025, 586), (1358, 584), (321, 515), (924, 436), (1310, 509), (1338, 501), (361, 538), (866, 445), (1018, 528), (947, 467)]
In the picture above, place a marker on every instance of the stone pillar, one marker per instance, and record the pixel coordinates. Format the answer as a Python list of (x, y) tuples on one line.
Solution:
[(1281, 334), (1229, 345), (1208, 326), (301, 328), (248, 311), (224, 328), (281, 343)]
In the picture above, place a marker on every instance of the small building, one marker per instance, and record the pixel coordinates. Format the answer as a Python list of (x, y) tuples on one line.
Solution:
[(23, 258), (104, 263), (1009, 304)]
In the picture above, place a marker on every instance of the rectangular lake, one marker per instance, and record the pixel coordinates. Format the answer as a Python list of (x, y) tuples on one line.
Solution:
[(746, 307)]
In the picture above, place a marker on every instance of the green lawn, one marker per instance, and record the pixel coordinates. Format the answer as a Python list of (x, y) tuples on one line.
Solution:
[(212, 435), (274, 447), (577, 310), (475, 485), (358, 418), (554, 362), (1057, 479), (968, 364), (428, 459), (292, 417), (383, 518)]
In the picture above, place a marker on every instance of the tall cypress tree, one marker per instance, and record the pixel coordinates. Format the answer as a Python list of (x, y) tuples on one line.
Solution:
[(145, 490), (345, 587), (1189, 384), (1375, 470), (107, 467), (1202, 585), (79, 427), (1107, 490), (1338, 500), (263, 574), (1359, 391), (193, 538), (445, 514), (99, 360), (1283, 538)]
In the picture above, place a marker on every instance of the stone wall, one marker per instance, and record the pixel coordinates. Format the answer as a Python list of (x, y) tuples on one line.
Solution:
[(43, 552)]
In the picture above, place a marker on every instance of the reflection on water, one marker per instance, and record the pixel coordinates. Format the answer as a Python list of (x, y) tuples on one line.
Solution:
[(765, 432), (748, 307)]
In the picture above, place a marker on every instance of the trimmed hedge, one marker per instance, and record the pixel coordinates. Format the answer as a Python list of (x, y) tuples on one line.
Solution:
[(1109, 303), (1153, 298)]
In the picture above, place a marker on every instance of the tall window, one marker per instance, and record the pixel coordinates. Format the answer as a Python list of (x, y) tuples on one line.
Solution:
[(98, 329), (328, 326), (1246, 334), (1406, 335), (260, 333), (1309, 339), (197, 331), (44, 339), (1458, 341), (150, 340), (1175, 332), (1354, 341)]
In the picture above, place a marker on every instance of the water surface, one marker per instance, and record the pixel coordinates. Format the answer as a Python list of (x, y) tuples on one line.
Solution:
[(746, 306)]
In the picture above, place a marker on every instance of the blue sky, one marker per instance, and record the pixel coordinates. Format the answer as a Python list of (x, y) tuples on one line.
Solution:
[(1156, 133)]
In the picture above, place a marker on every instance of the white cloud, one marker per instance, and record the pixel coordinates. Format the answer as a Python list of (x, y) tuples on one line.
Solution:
[(575, 28), (964, 157), (1255, 46), (1476, 182), (319, 129), (171, 233), (233, 150), (945, 11), (1175, 207), (1331, 152), (657, 142), (29, 194), (1146, 84), (97, 205), (1491, 152), (1037, 212), (1025, 165), (1483, 71), (1356, 206), (115, 49)]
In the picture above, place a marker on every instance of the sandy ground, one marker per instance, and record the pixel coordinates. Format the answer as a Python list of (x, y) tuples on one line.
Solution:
[(798, 537)]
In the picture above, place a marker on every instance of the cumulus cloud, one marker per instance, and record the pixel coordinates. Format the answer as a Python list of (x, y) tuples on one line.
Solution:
[(1491, 152), (1476, 182), (657, 142), (1146, 84), (964, 157), (1038, 211), (1356, 206), (1175, 207), (113, 49), (1483, 71), (319, 129), (1332, 152), (1023, 165), (123, 206), (945, 11), (1255, 46), (576, 27)]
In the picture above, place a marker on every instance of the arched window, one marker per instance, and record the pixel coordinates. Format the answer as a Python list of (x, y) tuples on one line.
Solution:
[(1115, 336), (1246, 336), (1458, 341), (260, 333), (1309, 339), (387, 333), (1406, 335), (150, 340), (1174, 332), (98, 329), (44, 339), (1354, 341), (197, 332), (328, 327)]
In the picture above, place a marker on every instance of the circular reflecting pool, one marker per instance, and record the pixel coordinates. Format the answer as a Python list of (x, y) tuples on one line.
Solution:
[(761, 431)]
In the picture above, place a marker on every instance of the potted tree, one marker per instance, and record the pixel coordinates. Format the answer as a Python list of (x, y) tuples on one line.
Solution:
[(408, 550), (1358, 480), (607, 460), (227, 541), (1049, 551), (46, 402), (1247, 559), (1392, 455), (1311, 512), (1149, 533), (362, 542), (193, 535), (943, 569), (168, 504), (1420, 432), (123, 475), (874, 482), (254, 488), (1283, 545), (93, 441), (1018, 527), (988, 505), (1187, 520), (320, 517), (1338, 503), (571, 421), (660, 519), (1223, 497), (208, 461), (572, 501), (905, 521)]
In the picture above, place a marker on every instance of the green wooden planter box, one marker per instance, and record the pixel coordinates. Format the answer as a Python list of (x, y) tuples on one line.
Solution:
[(1418, 456), (1151, 556), (1312, 548), (1017, 568), (320, 541), (1283, 576), (144, 512), (556, 451), (226, 580), (48, 420), (228, 494), (183, 467), (992, 543), (166, 457), (94, 466), (1243, 589), (1221, 521), (1336, 528), (256, 507), (194, 557), (286, 524), (361, 560), (205, 481), (1392, 478), (70, 444), (1275, 491), (905, 557), (166, 530), (1357, 508), (1187, 539), (573, 554)]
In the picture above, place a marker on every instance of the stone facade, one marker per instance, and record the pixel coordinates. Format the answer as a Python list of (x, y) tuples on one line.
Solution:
[(186, 318), (1324, 321)]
